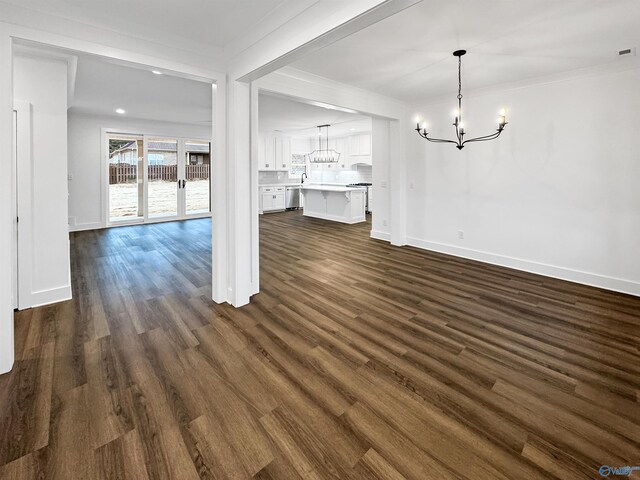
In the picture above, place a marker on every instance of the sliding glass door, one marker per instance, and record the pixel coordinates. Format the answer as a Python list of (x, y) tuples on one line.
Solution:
[(153, 178)]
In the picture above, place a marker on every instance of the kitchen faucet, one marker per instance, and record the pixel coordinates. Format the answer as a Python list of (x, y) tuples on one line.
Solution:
[(302, 177)]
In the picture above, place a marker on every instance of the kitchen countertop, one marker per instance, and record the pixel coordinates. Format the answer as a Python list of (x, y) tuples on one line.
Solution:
[(293, 184), (331, 188)]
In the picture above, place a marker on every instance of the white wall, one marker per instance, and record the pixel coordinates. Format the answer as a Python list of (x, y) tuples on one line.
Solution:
[(86, 205), (43, 83), (556, 194)]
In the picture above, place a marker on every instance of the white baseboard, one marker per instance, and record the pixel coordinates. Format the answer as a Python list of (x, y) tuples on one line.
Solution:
[(378, 235), (562, 273), (53, 295), (79, 227)]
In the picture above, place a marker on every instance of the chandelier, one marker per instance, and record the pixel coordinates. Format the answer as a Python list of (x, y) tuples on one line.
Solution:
[(457, 123), (323, 154)]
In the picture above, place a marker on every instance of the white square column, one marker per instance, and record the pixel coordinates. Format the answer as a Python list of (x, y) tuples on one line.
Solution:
[(237, 218), (6, 210)]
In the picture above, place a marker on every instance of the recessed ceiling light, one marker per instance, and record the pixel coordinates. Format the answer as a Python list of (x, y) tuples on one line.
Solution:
[(352, 129), (121, 111), (156, 72)]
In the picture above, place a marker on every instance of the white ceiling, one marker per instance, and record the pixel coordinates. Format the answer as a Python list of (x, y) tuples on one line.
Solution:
[(101, 87), (198, 23), (301, 119), (408, 56)]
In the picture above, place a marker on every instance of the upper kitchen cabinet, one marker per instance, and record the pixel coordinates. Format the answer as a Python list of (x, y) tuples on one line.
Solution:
[(275, 153), (360, 149), (340, 146)]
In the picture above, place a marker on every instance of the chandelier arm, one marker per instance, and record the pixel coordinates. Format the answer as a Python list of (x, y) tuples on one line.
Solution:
[(439, 140), (435, 140), (484, 138)]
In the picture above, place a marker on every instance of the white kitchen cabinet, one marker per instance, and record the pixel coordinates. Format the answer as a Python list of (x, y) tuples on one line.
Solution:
[(283, 154), (275, 153), (272, 199), (360, 149), (267, 153), (360, 145)]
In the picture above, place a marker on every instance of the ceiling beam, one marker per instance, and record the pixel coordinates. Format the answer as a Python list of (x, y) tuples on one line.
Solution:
[(317, 27)]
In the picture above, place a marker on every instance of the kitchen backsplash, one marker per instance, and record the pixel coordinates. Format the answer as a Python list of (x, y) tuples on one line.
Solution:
[(362, 174)]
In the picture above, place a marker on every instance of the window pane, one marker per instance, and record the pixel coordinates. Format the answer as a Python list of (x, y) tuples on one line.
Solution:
[(125, 179), (162, 171), (197, 176)]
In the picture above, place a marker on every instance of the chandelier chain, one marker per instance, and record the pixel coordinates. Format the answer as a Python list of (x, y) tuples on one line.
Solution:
[(459, 78)]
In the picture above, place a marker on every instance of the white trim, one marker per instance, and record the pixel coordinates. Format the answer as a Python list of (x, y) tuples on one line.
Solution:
[(378, 235), (51, 295), (586, 278), (255, 189), (6, 208), (25, 204), (219, 190), (79, 227)]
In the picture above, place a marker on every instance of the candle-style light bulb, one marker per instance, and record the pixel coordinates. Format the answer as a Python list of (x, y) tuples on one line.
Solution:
[(503, 117), (461, 128), (456, 115)]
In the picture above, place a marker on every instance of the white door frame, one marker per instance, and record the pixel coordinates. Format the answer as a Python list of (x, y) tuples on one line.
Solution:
[(181, 154), (23, 165), (9, 33)]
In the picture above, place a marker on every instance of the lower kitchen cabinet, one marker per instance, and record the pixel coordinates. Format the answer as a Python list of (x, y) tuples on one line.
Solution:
[(272, 199)]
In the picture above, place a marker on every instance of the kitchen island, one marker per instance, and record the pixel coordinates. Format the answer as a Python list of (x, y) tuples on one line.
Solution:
[(335, 203)]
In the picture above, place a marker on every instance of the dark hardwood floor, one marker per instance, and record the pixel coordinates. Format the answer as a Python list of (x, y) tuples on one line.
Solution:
[(358, 360)]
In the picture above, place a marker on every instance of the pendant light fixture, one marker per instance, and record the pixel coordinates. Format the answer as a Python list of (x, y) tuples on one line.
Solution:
[(323, 154), (457, 123)]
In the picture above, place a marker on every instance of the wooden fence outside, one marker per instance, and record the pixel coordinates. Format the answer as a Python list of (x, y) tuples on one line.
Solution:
[(125, 173), (197, 172)]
